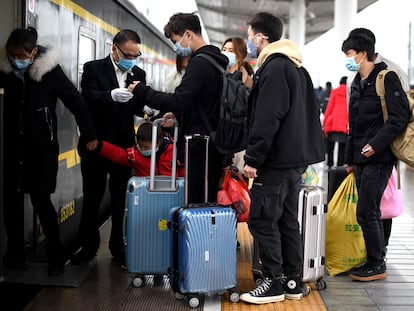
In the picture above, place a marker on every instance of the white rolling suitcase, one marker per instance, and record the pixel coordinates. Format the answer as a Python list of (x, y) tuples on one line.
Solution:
[(312, 211)]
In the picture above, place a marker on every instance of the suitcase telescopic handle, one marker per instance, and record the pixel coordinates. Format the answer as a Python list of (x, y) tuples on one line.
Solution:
[(187, 143), (154, 137)]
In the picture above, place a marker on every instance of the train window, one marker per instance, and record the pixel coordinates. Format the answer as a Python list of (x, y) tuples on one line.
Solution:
[(156, 76), (108, 47), (86, 49), (148, 70), (163, 72)]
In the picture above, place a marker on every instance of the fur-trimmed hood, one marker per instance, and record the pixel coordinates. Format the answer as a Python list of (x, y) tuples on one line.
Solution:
[(46, 59)]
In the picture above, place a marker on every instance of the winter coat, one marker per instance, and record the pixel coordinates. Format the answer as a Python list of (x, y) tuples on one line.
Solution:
[(131, 157), (336, 113), (30, 120), (199, 92), (366, 123), (284, 126)]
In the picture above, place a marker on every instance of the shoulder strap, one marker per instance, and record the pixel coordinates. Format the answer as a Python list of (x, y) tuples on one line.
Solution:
[(380, 88), (212, 61)]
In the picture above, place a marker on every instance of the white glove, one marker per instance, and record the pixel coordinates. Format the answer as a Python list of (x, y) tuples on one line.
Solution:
[(121, 95), (148, 110)]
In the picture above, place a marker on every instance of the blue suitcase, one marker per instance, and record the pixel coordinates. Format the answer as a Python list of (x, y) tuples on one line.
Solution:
[(204, 248), (149, 201)]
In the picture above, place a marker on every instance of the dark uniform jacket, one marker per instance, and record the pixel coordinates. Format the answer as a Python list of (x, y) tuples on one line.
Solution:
[(114, 122), (30, 120), (284, 125), (366, 123)]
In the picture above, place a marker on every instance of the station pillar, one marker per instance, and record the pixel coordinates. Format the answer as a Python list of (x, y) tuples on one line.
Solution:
[(297, 22)]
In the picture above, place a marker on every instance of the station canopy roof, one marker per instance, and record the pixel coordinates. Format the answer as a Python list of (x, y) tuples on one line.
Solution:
[(227, 18)]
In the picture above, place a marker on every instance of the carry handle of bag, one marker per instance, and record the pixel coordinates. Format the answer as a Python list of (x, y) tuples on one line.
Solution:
[(154, 136), (380, 89), (188, 138)]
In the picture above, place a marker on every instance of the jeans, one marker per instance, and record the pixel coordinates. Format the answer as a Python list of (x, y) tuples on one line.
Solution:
[(273, 221), (371, 180)]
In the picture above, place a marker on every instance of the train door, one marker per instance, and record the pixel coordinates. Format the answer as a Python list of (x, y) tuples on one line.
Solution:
[(11, 17)]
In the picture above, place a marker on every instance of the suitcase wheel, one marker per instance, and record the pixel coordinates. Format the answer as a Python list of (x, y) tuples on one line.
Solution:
[(179, 296), (138, 281), (234, 296), (306, 290), (193, 301), (320, 284)]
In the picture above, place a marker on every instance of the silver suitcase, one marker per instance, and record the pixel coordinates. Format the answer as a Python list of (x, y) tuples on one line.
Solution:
[(312, 211)]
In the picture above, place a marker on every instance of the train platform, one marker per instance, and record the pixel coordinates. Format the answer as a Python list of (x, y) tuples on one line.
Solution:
[(109, 287)]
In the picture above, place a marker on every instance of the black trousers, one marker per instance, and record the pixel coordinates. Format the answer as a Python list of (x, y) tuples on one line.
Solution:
[(371, 180), (95, 171), (13, 211), (14, 223), (44, 208), (273, 221)]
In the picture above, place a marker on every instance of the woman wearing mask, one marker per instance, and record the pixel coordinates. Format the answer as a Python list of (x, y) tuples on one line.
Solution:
[(33, 81), (236, 51)]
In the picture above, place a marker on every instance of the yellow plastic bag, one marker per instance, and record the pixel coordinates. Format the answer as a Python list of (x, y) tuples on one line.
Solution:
[(345, 246)]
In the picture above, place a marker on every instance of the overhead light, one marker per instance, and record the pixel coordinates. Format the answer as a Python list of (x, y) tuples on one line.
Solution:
[(310, 15)]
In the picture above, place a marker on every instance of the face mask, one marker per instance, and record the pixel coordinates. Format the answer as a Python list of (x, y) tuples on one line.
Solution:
[(146, 153), (252, 48), (182, 51), (126, 64), (351, 64), (231, 56), (21, 64)]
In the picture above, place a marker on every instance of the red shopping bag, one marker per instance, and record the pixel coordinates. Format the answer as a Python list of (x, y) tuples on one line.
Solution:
[(235, 193)]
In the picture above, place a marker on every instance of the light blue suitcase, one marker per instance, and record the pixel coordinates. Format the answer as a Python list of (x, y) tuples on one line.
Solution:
[(149, 201), (204, 249)]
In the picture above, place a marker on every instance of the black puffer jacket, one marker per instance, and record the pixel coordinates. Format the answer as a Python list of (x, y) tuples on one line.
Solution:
[(366, 123), (30, 120)]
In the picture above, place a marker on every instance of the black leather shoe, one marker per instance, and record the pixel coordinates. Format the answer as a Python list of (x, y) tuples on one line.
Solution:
[(82, 257), (54, 269), (119, 256), (14, 262)]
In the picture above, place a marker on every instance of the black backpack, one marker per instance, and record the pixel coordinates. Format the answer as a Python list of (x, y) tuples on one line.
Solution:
[(231, 134)]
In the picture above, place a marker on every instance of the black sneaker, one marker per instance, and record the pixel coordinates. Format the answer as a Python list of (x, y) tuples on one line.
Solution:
[(357, 268), (54, 269), (293, 287), (267, 292), (82, 257), (369, 273)]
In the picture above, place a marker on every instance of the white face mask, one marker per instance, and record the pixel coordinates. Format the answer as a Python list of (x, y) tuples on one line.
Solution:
[(351, 64), (231, 56), (182, 51)]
